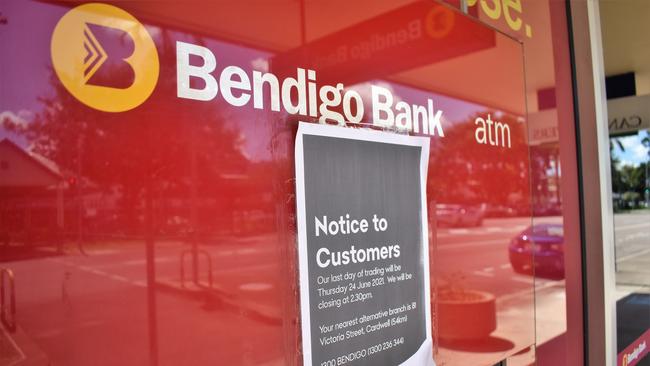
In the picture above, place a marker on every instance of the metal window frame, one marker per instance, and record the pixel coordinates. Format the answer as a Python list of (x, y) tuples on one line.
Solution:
[(595, 186)]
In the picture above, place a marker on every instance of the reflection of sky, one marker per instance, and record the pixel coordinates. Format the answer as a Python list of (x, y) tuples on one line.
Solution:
[(24, 65), (634, 152), (25, 62)]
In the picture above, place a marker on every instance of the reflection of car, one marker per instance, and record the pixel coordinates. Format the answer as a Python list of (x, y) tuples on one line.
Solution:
[(546, 242), (448, 214)]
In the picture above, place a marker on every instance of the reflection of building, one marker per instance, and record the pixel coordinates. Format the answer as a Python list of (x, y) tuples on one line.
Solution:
[(24, 176)]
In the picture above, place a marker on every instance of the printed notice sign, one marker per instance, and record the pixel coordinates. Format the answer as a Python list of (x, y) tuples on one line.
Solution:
[(363, 247)]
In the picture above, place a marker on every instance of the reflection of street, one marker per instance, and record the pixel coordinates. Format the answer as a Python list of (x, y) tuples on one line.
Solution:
[(97, 307), (483, 256), (88, 300), (632, 233), (480, 254), (66, 292)]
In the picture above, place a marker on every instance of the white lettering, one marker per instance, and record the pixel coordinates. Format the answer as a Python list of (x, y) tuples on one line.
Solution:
[(196, 79), (384, 106), (434, 120), (184, 71), (274, 90), (289, 84), (227, 84), (321, 263)]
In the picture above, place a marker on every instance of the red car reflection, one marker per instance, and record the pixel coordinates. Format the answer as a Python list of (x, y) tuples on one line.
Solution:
[(541, 245)]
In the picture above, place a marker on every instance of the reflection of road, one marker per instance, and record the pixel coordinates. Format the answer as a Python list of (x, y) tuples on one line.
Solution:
[(480, 257), (632, 233), (75, 307), (93, 310)]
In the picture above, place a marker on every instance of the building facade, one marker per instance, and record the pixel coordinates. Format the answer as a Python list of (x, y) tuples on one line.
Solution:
[(483, 198)]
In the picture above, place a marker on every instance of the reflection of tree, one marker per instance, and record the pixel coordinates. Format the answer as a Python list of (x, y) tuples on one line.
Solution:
[(463, 171), (627, 178), (617, 183), (181, 148), (632, 177)]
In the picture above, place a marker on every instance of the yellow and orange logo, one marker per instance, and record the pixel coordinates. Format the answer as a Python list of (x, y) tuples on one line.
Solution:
[(105, 57), (439, 22)]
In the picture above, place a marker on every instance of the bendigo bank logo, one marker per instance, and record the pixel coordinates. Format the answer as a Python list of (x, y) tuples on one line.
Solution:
[(104, 57), (96, 71)]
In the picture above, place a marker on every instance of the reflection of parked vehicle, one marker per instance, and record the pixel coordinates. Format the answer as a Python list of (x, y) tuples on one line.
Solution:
[(458, 215), (546, 242)]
